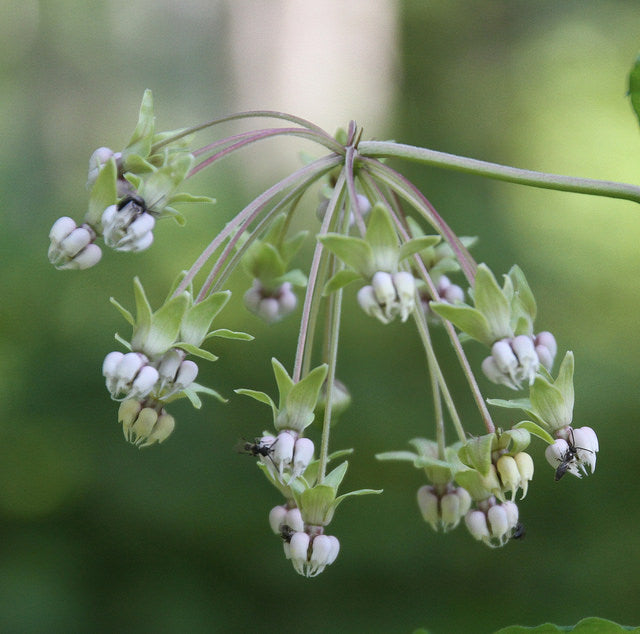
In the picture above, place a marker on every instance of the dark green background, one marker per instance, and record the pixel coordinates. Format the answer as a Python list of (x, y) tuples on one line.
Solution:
[(96, 536)]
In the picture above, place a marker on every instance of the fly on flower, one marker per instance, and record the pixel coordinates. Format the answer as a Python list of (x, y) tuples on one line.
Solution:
[(569, 457), (257, 448)]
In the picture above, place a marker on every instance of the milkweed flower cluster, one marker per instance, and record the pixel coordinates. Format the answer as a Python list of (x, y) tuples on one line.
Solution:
[(378, 233)]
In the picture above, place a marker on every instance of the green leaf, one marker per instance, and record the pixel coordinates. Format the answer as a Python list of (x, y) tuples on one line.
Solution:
[(165, 326), (141, 139), (476, 453), (465, 318), (634, 87), (564, 382), (335, 477), (184, 197), (295, 278), (143, 311), (340, 280), (535, 430), (523, 404), (382, 237), (416, 245), (522, 292), (258, 396), (196, 351), (263, 261), (407, 456), (225, 333), (316, 504), (289, 248), (350, 494), (156, 188), (301, 400), (354, 252), (195, 323), (549, 404), (491, 302), (123, 311), (284, 381), (103, 194)]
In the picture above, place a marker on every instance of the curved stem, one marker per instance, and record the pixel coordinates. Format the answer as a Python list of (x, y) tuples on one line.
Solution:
[(329, 141), (378, 149), (312, 296)]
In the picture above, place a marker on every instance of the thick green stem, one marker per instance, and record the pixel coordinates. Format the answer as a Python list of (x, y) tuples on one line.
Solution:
[(611, 189)]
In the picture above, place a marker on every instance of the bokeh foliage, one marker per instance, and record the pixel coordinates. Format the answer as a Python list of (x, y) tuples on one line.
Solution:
[(97, 536)]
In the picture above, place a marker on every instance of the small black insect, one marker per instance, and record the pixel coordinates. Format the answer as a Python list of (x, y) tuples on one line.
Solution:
[(257, 448), (519, 531), (568, 457), (139, 203), (286, 532)]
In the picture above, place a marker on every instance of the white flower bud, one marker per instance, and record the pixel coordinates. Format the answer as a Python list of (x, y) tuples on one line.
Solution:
[(277, 518), (287, 300), (477, 525), (97, 161), (509, 474), (525, 467), (71, 246), (268, 309), (505, 359), (495, 375), (527, 358), (253, 297), (556, 452), (384, 291), (302, 456), (405, 285), (140, 244), (321, 550), (498, 521), (294, 519), (547, 340), (452, 294), (85, 259), (363, 204), (428, 503), (369, 303), (61, 228), (283, 448), (144, 382), (299, 550), (169, 365)]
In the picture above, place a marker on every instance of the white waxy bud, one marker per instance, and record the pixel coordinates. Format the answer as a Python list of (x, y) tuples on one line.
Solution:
[(586, 443), (369, 303), (545, 357), (253, 297), (547, 340), (283, 451), (302, 455), (335, 549), (111, 362), (287, 300), (268, 309), (142, 243), (77, 240), (385, 291), (186, 374), (169, 365), (527, 358), (491, 482), (363, 204), (452, 294), (406, 290), (277, 517), (299, 550), (505, 359), (85, 259), (498, 521), (61, 228), (428, 504), (511, 509), (556, 452), (144, 382), (477, 525), (321, 548), (450, 510), (97, 161), (109, 216), (495, 375), (294, 519), (128, 367), (141, 226)]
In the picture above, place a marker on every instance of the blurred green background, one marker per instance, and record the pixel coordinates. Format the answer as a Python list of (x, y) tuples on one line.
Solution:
[(96, 536)]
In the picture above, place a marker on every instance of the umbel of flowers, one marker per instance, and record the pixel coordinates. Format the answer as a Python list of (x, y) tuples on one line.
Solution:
[(376, 229)]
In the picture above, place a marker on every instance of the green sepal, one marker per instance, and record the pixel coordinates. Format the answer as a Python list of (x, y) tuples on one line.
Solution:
[(335, 477), (634, 87), (350, 494), (192, 391), (184, 197), (354, 252), (535, 430), (553, 403), (122, 341), (142, 137), (523, 300), (103, 194), (134, 164), (195, 351), (262, 261), (467, 319), (197, 320), (283, 380), (523, 404), (406, 456), (490, 300), (295, 278), (382, 238), (511, 441), (225, 333), (416, 245), (310, 475), (317, 504), (259, 396), (476, 453), (175, 215), (123, 311), (301, 401), (340, 280), (479, 487), (143, 311), (157, 187)]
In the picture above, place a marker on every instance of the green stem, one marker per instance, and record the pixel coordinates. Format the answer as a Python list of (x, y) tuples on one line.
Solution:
[(378, 149), (421, 324)]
